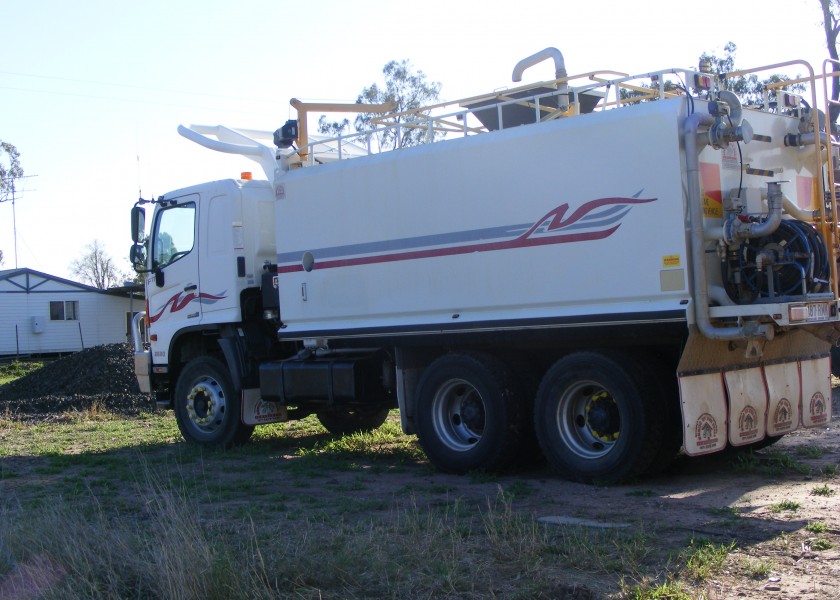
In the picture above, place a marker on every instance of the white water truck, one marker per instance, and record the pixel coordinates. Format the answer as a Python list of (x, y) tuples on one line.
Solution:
[(613, 269)]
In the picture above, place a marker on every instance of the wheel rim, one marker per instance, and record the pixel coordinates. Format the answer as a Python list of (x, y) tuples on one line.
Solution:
[(458, 415), (206, 405), (588, 419)]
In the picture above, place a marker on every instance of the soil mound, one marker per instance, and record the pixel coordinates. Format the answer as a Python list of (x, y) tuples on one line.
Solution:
[(102, 375)]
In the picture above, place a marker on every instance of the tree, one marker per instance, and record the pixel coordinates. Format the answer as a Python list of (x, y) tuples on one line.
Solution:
[(831, 26), (97, 268), (751, 90), (409, 90), (9, 172)]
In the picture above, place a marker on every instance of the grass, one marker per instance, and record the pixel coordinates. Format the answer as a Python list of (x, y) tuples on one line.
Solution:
[(771, 463), (16, 369), (756, 568), (822, 490), (816, 527), (109, 507), (785, 506), (704, 559)]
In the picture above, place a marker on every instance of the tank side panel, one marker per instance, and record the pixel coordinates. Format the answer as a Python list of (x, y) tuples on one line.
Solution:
[(574, 217)]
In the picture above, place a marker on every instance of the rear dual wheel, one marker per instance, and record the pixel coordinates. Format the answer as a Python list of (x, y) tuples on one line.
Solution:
[(470, 413), (599, 418)]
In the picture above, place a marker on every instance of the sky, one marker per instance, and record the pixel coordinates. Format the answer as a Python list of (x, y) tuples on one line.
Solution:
[(92, 92)]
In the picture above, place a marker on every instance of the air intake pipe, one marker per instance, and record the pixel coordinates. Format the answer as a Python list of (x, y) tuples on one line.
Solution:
[(559, 70)]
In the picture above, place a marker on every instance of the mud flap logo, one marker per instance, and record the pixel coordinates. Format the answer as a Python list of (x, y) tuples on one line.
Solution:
[(706, 432), (747, 424), (267, 412), (783, 416), (256, 411), (818, 409)]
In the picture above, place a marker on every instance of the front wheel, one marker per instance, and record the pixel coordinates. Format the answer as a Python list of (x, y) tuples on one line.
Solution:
[(207, 407), (597, 419), (469, 413)]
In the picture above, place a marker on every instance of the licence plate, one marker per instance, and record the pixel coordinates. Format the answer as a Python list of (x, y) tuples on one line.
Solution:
[(818, 311)]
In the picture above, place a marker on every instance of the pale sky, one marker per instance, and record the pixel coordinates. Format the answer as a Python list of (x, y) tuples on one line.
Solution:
[(91, 92)]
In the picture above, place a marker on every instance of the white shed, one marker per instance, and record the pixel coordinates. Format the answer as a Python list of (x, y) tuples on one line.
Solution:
[(44, 314)]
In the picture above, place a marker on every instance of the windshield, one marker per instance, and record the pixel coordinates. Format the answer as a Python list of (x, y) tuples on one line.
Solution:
[(174, 234)]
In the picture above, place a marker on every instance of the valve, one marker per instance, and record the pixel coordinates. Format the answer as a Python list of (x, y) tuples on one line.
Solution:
[(729, 125)]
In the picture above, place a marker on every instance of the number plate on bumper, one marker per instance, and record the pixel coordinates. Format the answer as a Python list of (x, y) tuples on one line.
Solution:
[(810, 313)]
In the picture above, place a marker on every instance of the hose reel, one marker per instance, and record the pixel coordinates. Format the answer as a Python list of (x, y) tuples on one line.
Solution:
[(790, 262)]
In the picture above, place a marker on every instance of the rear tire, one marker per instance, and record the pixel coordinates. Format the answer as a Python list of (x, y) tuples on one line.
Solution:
[(343, 420), (598, 418), (207, 407), (469, 413)]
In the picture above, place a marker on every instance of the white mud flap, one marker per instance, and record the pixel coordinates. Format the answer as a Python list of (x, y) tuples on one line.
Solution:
[(256, 411), (747, 405), (704, 413), (783, 391), (816, 392)]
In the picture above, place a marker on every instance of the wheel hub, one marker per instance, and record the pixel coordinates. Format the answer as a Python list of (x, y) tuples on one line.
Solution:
[(458, 415), (206, 404), (588, 419), (602, 417)]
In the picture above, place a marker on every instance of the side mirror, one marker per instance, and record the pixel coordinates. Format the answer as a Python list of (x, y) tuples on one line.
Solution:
[(138, 225), (137, 257)]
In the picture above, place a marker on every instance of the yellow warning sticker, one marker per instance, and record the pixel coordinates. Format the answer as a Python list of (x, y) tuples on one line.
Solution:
[(671, 261)]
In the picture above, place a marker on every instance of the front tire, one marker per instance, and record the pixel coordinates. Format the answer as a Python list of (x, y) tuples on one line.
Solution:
[(469, 413), (597, 419), (207, 407)]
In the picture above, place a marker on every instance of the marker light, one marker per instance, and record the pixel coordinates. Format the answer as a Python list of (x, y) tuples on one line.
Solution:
[(246, 175)]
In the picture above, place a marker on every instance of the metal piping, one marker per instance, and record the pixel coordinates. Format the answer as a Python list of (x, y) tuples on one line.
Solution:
[(749, 329), (530, 61), (735, 231), (799, 213), (805, 139), (559, 71)]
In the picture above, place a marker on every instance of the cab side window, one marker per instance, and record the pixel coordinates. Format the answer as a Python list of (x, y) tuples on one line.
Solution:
[(174, 234)]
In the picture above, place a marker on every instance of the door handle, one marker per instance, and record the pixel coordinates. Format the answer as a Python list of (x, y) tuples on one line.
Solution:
[(190, 288)]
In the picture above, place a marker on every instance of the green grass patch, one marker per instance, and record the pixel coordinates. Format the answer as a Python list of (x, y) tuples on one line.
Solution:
[(703, 560), (17, 369), (810, 451), (785, 506), (816, 527), (821, 544), (669, 590), (822, 490), (755, 568)]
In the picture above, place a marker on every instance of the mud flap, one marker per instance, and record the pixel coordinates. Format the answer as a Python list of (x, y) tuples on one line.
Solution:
[(256, 411), (783, 391), (730, 395), (704, 413), (816, 391)]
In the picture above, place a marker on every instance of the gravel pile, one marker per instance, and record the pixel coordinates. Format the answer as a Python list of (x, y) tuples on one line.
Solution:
[(102, 375)]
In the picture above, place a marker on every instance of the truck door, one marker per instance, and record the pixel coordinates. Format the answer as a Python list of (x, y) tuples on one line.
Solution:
[(174, 297)]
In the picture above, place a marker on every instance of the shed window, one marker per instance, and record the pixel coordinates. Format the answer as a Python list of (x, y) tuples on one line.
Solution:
[(64, 310)]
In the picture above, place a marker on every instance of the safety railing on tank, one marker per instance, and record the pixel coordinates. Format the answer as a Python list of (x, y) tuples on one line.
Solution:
[(538, 102)]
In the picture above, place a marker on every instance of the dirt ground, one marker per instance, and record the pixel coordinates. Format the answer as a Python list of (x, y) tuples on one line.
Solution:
[(721, 498)]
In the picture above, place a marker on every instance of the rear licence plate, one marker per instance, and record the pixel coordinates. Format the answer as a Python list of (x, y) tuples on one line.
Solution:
[(818, 311)]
